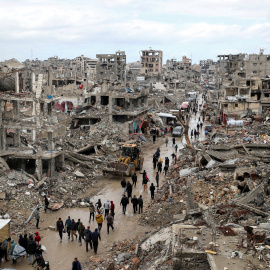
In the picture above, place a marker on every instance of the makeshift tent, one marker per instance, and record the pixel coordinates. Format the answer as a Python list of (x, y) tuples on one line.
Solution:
[(4, 229)]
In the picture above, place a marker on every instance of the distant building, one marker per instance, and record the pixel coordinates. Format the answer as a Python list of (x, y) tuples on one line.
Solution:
[(111, 66), (151, 62)]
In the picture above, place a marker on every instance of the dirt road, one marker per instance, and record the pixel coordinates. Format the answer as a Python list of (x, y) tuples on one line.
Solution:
[(61, 254)]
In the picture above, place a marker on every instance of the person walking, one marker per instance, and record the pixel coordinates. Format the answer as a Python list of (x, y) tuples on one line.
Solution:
[(37, 217), (60, 228), (198, 126), (157, 179), (191, 133), (95, 237), (124, 185), (176, 147), (154, 161), (24, 241), (152, 190), (31, 247), (195, 134), (143, 173), (91, 211), (73, 229), (134, 179), (201, 124), (173, 141), (129, 190), (167, 161), (166, 141), (67, 225), (107, 207), (88, 238), (140, 202), (154, 138), (76, 265), (159, 166), (166, 169), (110, 222), (46, 201), (175, 159), (99, 219), (134, 201), (98, 204), (81, 229), (112, 208), (124, 202), (145, 181)]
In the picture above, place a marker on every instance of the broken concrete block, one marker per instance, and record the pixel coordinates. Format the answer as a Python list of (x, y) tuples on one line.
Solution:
[(79, 174)]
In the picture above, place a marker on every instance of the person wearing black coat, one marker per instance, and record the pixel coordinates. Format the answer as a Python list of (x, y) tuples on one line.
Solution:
[(134, 201), (134, 179), (60, 228), (159, 166), (154, 161), (24, 242), (140, 201), (124, 202), (95, 237), (129, 190), (31, 248), (124, 185), (88, 238), (173, 141), (152, 190)]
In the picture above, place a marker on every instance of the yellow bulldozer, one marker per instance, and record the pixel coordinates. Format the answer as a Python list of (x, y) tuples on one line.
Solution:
[(131, 159)]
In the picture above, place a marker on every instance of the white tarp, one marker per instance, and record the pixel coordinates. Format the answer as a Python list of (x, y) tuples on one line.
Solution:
[(4, 222), (167, 115), (232, 122)]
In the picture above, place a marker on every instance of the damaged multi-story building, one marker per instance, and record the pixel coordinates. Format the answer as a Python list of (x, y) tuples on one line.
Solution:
[(111, 67), (25, 118), (244, 83)]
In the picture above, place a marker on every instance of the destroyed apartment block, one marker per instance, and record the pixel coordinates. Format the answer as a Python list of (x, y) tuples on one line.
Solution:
[(24, 119), (122, 106)]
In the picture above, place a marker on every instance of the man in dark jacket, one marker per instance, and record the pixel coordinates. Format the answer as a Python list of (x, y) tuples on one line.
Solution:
[(40, 262), (73, 229), (134, 201), (60, 228), (76, 265), (124, 202), (140, 201), (129, 190), (81, 230), (95, 237), (31, 248), (154, 162), (134, 179), (88, 238), (124, 185), (109, 222), (67, 225), (46, 204), (152, 190), (157, 179), (159, 166)]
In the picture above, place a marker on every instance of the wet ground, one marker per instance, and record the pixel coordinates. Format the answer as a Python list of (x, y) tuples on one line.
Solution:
[(61, 254)]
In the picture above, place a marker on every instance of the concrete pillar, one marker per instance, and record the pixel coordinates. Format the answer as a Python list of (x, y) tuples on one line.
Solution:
[(50, 141), (33, 82), (4, 138), (17, 87), (39, 168), (110, 109)]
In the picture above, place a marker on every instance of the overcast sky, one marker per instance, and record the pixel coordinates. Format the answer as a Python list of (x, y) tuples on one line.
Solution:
[(199, 29)]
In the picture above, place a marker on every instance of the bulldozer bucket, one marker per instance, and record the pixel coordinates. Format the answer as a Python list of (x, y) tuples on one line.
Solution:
[(117, 168)]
